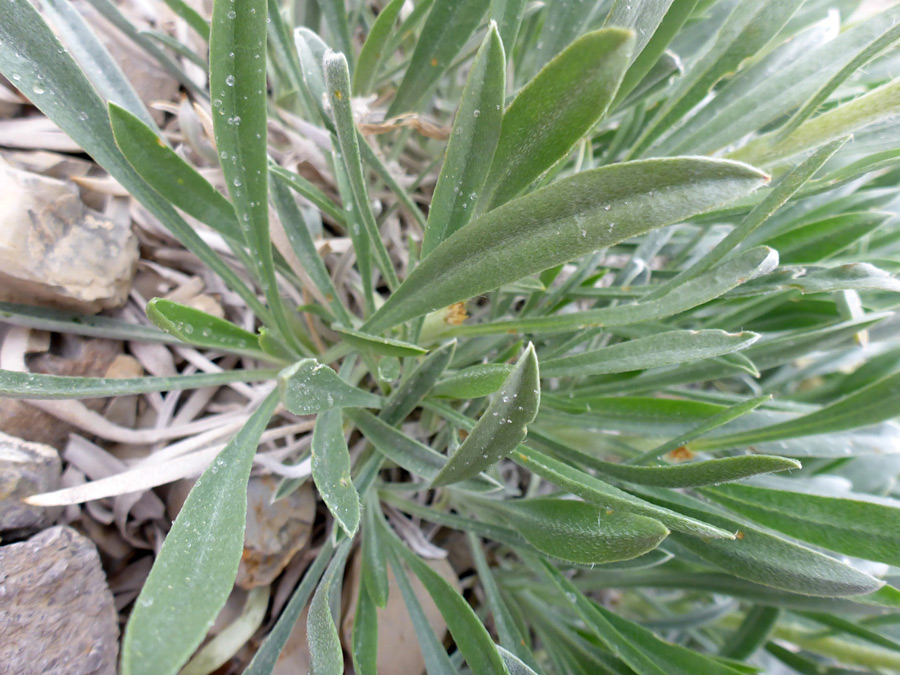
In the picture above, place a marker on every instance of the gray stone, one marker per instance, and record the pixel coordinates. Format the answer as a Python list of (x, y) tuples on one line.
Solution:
[(25, 469), (55, 251), (56, 611)]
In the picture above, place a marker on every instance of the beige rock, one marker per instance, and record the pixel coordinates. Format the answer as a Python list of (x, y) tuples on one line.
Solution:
[(25, 469), (275, 531), (54, 251)]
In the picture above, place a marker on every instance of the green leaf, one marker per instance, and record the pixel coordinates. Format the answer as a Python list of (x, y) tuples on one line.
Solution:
[(372, 53), (266, 656), (506, 626), (603, 494), (688, 474), (662, 349), (731, 273), (473, 140), (474, 382), (374, 564), (309, 387), (878, 105), (502, 426), (331, 470), (764, 558), (205, 330), (14, 384), (325, 652), (645, 59), (856, 525), (636, 659), (336, 19), (434, 654), (629, 639), (191, 17), (749, 27), (337, 83), (60, 321), (404, 399), (553, 111), (303, 246), (852, 276), (579, 532), (774, 199), (643, 18), (408, 453), (878, 402), (376, 344), (507, 14), (196, 567), (447, 29), (560, 222), (469, 634), (365, 633), (237, 84), (94, 59), (171, 176), (823, 239)]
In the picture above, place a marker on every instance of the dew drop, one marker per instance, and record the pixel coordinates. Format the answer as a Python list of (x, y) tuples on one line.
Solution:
[(229, 80)]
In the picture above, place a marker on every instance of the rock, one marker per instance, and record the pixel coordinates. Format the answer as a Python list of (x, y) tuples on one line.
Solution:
[(25, 469), (275, 532), (56, 610), (76, 356), (56, 252)]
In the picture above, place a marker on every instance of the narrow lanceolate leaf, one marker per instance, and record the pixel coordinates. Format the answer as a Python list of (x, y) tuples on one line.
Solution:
[(876, 106), (746, 31), (563, 221), (374, 561), (601, 493), (474, 382), (856, 525), (579, 532), (508, 16), (372, 52), (633, 642), (60, 321), (195, 570), (638, 661), (641, 17), (417, 386), (553, 111), (469, 634), (472, 143), (757, 555), (448, 27), (408, 453), (377, 344), (731, 273), (14, 384), (689, 474), (823, 239), (167, 173), (325, 652), (710, 472), (309, 387), (337, 84), (237, 84), (663, 349), (331, 470), (503, 425), (205, 330), (876, 403), (94, 58)]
